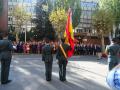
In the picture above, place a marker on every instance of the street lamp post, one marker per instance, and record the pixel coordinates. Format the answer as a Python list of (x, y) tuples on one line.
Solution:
[(26, 33), (45, 9)]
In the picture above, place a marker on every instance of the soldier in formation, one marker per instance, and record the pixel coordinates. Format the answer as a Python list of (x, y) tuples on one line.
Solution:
[(48, 59), (5, 58)]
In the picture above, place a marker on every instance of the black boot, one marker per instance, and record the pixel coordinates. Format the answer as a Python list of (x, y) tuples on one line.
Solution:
[(6, 82)]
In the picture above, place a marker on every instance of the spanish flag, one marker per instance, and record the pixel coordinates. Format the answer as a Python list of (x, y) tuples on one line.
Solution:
[(69, 35)]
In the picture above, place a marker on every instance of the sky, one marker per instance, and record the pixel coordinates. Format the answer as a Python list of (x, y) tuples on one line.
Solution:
[(88, 4), (28, 1), (90, 0)]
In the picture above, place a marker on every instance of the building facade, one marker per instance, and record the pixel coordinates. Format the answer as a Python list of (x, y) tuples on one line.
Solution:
[(85, 32), (87, 9), (29, 6)]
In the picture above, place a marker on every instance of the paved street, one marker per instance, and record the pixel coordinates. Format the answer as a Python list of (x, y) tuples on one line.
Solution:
[(83, 73)]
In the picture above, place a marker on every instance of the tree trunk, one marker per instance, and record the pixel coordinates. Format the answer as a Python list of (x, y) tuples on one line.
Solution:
[(17, 38), (114, 29), (103, 43), (17, 33), (110, 36), (117, 29), (59, 37)]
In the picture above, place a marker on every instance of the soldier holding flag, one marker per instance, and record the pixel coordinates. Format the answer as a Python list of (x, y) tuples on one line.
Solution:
[(66, 49), (62, 59)]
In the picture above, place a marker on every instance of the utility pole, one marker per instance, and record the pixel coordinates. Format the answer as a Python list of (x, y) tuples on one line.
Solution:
[(26, 32)]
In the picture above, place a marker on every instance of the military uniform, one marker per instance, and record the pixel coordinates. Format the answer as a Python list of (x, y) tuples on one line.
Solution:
[(113, 58), (62, 61), (48, 59), (5, 57)]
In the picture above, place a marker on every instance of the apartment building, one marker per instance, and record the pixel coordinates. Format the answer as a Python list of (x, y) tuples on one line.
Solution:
[(29, 6)]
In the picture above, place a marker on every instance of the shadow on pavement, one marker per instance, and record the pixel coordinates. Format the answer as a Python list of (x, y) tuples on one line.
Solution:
[(30, 75), (88, 58), (86, 70), (12, 86)]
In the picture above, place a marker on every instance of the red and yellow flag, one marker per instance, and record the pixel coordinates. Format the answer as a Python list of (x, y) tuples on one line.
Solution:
[(69, 35)]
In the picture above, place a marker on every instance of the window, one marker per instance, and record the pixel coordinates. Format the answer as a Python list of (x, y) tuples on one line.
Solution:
[(10, 18), (23, 29)]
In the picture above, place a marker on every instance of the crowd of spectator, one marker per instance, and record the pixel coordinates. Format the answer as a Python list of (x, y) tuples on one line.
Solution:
[(36, 48), (32, 47)]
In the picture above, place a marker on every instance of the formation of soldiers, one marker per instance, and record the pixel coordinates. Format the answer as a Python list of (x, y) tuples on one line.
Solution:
[(87, 49), (60, 56)]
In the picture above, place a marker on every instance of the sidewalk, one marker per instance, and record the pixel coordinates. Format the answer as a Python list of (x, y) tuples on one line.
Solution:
[(83, 73)]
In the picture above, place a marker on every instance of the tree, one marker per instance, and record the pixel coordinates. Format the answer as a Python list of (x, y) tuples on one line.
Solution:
[(44, 11), (58, 19), (11, 31), (102, 22), (50, 32), (112, 6), (21, 18), (43, 25), (74, 5)]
